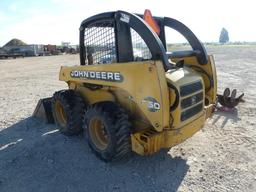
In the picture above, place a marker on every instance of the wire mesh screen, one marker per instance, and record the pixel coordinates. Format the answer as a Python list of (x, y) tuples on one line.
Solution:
[(140, 49), (99, 41)]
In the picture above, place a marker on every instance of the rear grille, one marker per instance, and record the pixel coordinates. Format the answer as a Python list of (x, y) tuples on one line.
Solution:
[(190, 88), (192, 100), (191, 112), (192, 97)]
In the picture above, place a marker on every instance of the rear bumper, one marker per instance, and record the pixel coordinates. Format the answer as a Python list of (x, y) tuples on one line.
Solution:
[(173, 137), (149, 142)]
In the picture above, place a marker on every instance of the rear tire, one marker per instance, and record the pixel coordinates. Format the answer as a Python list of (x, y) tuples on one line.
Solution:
[(68, 107), (108, 131)]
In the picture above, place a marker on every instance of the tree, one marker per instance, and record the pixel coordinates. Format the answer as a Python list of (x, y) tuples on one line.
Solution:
[(224, 38)]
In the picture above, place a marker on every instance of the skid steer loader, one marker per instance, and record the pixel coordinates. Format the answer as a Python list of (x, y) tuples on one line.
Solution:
[(129, 93)]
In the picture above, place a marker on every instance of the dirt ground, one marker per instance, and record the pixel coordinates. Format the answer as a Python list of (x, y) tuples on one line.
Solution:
[(35, 157)]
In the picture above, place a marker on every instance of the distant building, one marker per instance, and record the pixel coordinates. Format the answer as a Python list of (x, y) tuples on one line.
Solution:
[(51, 50), (2, 51), (26, 50), (16, 46), (65, 44)]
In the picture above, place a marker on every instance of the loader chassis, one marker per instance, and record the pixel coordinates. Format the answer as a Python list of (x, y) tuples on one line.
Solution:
[(136, 95)]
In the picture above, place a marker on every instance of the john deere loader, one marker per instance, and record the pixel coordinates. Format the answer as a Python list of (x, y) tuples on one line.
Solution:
[(129, 93)]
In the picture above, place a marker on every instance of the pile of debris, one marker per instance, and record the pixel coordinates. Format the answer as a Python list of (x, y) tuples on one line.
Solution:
[(15, 42), (17, 48)]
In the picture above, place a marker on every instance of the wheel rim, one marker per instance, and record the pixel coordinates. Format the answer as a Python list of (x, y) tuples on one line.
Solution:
[(60, 113), (98, 133)]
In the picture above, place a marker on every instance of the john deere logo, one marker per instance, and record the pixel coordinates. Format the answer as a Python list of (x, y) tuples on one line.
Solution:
[(98, 75), (193, 100)]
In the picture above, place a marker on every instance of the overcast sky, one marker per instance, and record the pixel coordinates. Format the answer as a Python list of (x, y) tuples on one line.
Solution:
[(53, 21)]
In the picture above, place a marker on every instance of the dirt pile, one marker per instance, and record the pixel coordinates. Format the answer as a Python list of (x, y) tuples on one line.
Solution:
[(15, 42)]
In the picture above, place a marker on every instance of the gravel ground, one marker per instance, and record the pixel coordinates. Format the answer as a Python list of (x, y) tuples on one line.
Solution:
[(35, 157)]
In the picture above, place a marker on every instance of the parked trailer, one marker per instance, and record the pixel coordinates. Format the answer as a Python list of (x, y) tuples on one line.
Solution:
[(14, 56)]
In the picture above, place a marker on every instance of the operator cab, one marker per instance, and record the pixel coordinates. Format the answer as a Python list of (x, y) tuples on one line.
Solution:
[(123, 37)]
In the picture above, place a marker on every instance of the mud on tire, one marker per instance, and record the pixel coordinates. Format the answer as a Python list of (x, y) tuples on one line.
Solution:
[(68, 107), (115, 141)]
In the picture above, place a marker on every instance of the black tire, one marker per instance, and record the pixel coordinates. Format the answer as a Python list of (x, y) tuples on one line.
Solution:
[(117, 128), (73, 107)]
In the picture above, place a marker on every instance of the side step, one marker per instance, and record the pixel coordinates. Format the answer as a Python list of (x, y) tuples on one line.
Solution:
[(43, 110)]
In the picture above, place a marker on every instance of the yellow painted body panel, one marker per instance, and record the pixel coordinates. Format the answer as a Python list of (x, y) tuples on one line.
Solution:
[(157, 129), (148, 142), (173, 137), (210, 69), (182, 76), (95, 96), (140, 80)]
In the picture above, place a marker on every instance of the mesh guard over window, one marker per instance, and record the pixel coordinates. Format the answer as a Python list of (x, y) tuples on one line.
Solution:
[(99, 41), (140, 49)]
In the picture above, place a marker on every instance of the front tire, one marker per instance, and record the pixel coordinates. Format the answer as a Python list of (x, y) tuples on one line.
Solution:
[(108, 131), (68, 107)]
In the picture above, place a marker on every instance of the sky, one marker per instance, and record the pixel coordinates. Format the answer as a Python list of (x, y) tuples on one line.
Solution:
[(54, 21)]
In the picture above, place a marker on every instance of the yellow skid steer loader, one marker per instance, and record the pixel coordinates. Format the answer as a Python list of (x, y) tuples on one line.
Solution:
[(129, 93)]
